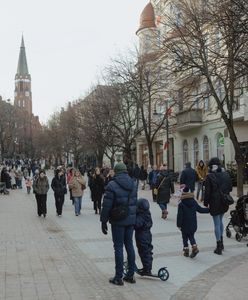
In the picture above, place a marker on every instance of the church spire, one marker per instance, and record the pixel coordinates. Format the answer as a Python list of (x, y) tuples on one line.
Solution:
[(22, 68)]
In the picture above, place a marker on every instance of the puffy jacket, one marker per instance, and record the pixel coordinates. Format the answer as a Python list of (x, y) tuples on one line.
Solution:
[(165, 187), (188, 177), (214, 184), (201, 171), (116, 194), (186, 213), (59, 185), (41, 186), (143, 217), (75, 186)]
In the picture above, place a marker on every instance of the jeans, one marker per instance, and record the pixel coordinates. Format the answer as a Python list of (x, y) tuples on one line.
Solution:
[(199, 189), (41, 204), (163, 206), (77, 204), (190, 237), (123, 235), (59, 202), (218, 226)]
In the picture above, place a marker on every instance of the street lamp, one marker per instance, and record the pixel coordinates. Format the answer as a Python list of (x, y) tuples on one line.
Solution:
[(166, 115)]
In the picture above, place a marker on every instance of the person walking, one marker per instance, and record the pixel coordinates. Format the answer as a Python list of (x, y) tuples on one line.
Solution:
[(97, 190), (187, 221), (136, 174), (28, 183), (143, 177), (217, 184), (77, 185), (41, 187), (153, 174), (121, 191), (58, 185), (165, 187), (188, 177), (201, 171)]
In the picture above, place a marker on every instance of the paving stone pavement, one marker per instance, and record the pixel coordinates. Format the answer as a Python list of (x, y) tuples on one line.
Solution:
[(69, 257)]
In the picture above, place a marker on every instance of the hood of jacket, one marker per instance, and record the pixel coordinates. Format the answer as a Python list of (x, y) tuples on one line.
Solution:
[(124, 180), (143, 204), (188, 199)]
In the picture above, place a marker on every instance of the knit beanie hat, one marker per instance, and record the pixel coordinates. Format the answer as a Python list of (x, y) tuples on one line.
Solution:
[(120, 167)]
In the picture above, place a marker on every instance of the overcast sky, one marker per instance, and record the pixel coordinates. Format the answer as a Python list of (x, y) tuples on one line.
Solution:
[(67, 43)]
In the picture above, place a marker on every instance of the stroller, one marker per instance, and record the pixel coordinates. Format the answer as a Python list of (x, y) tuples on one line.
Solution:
[(239, 219)]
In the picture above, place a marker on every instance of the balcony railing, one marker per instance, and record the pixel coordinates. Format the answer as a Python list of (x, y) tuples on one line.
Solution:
[(189, 119)]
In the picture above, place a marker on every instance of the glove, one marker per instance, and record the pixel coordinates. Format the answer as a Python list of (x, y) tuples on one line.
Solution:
[(104, 228)]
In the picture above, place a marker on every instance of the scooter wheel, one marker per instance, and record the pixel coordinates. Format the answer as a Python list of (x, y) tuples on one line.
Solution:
[(163, 274), (228, 233), (238, 237), (125, 268)]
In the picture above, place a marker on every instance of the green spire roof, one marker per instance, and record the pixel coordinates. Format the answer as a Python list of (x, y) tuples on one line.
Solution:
[(22, 68)]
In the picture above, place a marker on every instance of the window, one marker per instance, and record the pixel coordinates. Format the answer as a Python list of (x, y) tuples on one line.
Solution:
[(205, 149), (185, 152), (196, 151)]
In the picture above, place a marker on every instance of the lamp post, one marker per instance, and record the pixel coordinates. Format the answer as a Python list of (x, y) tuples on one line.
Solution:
[(166, 115)]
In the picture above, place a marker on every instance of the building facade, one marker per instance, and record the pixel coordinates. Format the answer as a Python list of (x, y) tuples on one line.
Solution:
[(190, 135)]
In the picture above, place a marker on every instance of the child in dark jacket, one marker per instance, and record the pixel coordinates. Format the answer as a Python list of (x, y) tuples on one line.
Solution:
[(187, 220), (143, 235)]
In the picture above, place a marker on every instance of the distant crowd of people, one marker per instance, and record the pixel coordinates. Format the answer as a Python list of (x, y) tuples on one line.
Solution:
[(114, 196)]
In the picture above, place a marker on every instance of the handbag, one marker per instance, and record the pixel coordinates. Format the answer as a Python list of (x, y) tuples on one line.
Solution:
[(120, 212), (155, 191), (228, 199)]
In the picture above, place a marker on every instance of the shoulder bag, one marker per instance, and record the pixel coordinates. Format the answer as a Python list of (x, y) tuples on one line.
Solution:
[(155, 191)]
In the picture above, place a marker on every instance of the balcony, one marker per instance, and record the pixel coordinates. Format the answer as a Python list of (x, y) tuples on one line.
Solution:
[(189, 119)]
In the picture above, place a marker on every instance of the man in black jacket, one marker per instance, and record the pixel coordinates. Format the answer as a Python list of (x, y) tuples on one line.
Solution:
[(188, 177), (121, 191)]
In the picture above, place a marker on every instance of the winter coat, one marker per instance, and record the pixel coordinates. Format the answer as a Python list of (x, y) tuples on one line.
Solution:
[(117, 192), (143, 222), (97, 187), (59, 185), (165, 187), (143, 174), (5, 177), (136, 172), (201, 171), (75, 185), (214, 183), (41, 186), (153, 177), (186, 214), (188, 177)]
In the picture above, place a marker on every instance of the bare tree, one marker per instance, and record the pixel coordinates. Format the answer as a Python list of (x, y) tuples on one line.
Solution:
[(209, 42)]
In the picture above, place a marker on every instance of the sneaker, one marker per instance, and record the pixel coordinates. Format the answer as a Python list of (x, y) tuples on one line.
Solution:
[(186, 252), (194, 252), (116, 281), (76, 215), (144, 272), (129, 279)]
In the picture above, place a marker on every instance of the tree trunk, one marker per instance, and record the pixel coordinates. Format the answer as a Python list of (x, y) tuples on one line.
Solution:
[(112, 161), (150, 152), (99, 159)]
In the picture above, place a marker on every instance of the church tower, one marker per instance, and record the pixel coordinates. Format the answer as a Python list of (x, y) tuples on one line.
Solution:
[(23, 94)]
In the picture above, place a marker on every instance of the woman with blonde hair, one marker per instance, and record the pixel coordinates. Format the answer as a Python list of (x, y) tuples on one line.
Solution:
[(77, 186)]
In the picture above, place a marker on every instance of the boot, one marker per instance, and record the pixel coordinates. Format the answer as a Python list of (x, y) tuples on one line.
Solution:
[(116, 281), (144, 272), (218, 249), (129, 279), (194, 252), (222, 245), (186, 251), (164, 214)]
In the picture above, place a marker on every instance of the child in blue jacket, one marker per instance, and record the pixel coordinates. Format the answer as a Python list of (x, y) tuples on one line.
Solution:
[(187, 221), (143, 235)]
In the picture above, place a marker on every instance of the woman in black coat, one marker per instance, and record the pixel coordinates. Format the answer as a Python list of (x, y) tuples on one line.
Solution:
[(5, 177), (97, 189), (165, 188), (59, 187), (218, 183)]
